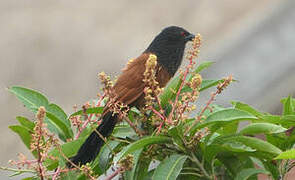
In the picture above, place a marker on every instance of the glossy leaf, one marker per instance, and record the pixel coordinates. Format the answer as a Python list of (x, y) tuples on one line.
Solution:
[(137, 171), (24, 133), (92, 110), (203, 65), (208, 83), (69, 149), (140, 144), (170, 167), (235, 146), (247, 173), (64, 130), (224, 116), (33, 100), (59, 113), (262, 128), (234, 163), (246, 107), (26, 123), (177, 135), (289, 154), (251, 142), (288, 106), (170, 90), (288, 120), (123, 131), (101, 163), (272, 168)]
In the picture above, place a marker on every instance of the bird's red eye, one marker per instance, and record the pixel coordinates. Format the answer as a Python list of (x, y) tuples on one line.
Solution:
[(182, 33)]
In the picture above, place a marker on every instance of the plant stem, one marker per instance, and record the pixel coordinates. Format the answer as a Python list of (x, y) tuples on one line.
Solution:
[(17, 170), (137, 131), (114, 174), (191, 173), (195, 159)]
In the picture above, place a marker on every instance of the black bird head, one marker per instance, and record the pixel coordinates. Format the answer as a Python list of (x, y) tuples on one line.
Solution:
[(169, 47)]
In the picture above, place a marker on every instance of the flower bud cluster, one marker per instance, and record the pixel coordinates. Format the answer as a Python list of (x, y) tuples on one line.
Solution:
[(152, 88)]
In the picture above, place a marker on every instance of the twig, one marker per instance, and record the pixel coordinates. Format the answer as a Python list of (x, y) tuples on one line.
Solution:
[(161, 113), (56, 173), (17, 170), (157, 113), (66, 158), (213, 95), (194, 53), (133, 126), (220, 88), (40, 118), (159, 128), (105, 141), (87, 118), (114, 174), (195, 159), (178, 93)]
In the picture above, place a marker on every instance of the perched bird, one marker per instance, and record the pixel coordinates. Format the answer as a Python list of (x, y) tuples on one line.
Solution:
[(169, 47)]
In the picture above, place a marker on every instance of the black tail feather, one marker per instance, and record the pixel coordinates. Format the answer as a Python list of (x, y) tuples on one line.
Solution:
[(91, 147)]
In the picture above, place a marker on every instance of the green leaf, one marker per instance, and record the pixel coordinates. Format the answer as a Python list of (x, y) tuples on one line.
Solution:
[(234, 163), (70, 175), (31, 99), (142, 168), (30, 178), (237, 147), (92, 110), (59, 119), (24, 134), (170, 168), (26, 123), (278, 140), (140, 144), (272, 168), (61, 161), (208, 83), (247, 173), (288, 106), (138, 171), (246, 107), (176, 134), (149, 175), (289, 154), (170, 90), (202, 66), (69, 149), (265, 128), (230, 128), (224, 116), (123, 131), (251, 142), (101, 162), (288, 120), (63, 129), (58, 112)]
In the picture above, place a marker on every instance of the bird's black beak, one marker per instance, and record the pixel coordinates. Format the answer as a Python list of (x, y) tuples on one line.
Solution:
[(189, 37)]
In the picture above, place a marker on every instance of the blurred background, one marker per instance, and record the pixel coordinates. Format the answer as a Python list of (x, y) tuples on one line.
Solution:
[(58, 47)]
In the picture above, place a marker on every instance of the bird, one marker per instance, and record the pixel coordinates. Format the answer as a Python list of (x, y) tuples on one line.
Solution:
[(168, 46)]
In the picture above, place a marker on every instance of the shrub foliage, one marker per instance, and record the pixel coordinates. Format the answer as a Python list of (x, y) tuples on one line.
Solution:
[(171, 138)]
